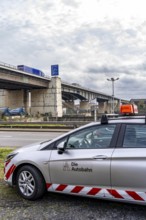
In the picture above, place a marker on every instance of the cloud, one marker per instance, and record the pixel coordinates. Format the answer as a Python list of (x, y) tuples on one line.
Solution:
[(90, 42), (71, 3)]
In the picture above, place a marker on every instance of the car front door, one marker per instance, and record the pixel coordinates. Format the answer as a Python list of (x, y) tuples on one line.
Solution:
[(85, 161)]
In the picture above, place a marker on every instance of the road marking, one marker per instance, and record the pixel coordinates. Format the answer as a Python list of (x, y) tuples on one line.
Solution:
[(6, 136)]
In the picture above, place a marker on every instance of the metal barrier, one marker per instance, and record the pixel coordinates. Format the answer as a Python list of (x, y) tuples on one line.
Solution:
[(8, 65)]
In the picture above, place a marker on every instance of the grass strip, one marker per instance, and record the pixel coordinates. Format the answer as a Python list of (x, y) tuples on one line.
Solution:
[(3, 153), (31, 125)]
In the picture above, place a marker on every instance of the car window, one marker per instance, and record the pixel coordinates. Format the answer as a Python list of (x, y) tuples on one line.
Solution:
[(135, 136), (93, 137), (48, 147)]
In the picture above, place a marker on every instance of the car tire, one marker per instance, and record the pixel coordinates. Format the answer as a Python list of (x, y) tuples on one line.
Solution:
[(30, 183)]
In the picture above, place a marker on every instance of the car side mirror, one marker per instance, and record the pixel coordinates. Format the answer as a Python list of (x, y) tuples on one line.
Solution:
[(61, 147)]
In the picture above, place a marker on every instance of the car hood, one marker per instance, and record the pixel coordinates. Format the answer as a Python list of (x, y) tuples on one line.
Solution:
[(32, 147)]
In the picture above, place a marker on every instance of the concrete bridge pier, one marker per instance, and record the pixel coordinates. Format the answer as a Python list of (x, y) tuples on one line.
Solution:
[(4, 98), (55, 97), (27, 101), (85, 105), (47, 101), (103, 107)]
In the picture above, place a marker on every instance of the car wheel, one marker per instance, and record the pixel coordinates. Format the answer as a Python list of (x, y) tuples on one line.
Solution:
[(30, 183)]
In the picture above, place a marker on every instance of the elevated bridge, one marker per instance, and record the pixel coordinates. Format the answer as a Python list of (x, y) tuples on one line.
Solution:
[(47, 95)]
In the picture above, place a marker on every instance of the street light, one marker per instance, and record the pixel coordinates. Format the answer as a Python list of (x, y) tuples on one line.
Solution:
[(112, 80)]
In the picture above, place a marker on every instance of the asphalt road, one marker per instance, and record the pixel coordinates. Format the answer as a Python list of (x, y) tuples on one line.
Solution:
[(19, 139)]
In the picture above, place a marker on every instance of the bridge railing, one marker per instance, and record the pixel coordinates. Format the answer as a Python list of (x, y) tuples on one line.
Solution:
[(8, 65)]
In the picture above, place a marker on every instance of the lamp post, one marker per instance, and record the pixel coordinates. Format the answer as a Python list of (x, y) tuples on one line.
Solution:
[(112, 104)]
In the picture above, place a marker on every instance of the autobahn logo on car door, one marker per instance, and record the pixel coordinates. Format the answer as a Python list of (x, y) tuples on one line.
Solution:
[(74, 166), (66, 167)]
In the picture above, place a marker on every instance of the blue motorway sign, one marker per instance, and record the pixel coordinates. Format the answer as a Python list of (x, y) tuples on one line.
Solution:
[(54, 70)]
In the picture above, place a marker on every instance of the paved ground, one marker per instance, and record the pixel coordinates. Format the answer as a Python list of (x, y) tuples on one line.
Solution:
[(63, 207)]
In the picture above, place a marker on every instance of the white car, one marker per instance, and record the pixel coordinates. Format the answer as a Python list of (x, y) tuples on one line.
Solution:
[(105, 160)]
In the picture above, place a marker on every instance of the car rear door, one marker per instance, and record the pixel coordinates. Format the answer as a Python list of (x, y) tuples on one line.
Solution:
[(85, 163), (128, 166)]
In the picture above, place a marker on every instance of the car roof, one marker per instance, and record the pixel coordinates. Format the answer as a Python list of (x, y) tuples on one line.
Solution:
[(126, 119)]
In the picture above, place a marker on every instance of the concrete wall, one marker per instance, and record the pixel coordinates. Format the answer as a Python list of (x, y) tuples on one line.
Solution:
[(38, 101), (48, 100), (11, 99), (4, 98), (16, 98)]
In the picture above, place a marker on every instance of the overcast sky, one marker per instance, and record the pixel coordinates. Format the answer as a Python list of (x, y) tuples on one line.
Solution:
[(91, 40)]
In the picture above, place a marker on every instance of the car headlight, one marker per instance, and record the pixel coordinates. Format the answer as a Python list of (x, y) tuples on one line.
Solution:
[(10, 156)]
